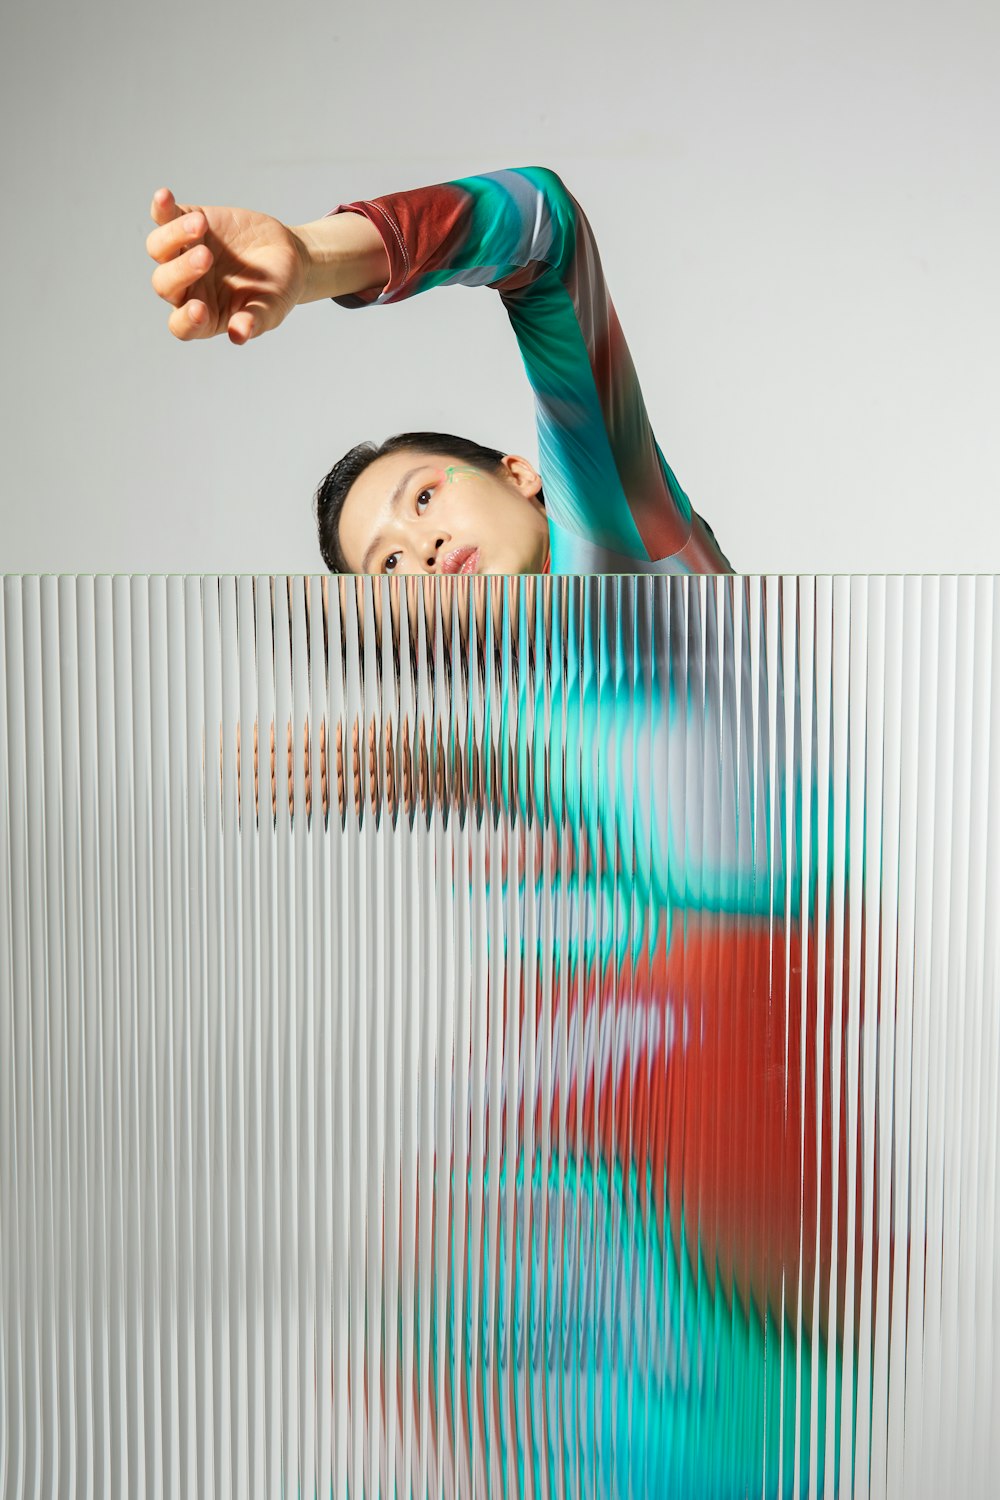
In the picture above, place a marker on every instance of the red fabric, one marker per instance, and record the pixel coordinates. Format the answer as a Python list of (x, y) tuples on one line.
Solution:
[(419, 229)]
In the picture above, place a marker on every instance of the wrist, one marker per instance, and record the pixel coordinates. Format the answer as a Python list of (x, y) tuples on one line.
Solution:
[(341, 255)]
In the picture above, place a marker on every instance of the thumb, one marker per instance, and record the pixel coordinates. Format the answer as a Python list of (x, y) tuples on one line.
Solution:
[(241, 328), (255, 317)]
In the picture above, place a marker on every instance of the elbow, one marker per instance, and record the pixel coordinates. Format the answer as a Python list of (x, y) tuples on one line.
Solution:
[(562, 205), (547, 176)]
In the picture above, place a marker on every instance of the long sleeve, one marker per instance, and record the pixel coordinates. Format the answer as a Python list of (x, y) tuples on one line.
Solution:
[(612, 501)]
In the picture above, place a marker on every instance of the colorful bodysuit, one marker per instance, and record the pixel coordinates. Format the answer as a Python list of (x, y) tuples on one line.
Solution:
[(612, 500), (682, 885)]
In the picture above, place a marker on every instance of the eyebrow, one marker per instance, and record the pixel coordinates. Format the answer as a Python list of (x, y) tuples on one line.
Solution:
[(394, 500)]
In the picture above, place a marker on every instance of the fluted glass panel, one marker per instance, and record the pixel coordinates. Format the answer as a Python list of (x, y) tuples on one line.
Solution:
[(530, 1037)]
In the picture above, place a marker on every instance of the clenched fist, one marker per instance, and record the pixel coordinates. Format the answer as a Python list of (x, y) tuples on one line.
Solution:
[(224, 269)]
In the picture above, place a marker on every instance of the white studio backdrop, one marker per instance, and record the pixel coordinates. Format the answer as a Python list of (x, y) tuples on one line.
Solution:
[(798, 210)]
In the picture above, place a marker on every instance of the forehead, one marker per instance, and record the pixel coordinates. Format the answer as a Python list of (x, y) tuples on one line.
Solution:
[(376, 483), (384, 473)]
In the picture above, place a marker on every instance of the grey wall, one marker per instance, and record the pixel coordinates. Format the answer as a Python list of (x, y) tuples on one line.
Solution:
[(798, 209)]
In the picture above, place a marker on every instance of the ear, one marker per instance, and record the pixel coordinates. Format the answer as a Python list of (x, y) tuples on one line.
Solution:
[(524, 475)]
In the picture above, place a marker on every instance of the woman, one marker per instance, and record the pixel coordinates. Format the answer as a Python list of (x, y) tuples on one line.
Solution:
[(426, 503), (678, 898)]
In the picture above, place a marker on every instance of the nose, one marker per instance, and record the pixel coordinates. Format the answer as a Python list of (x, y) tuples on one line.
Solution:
[(433, 558)]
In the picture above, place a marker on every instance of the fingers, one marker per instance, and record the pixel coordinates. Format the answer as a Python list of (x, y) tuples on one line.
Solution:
[(190, 321), (163, 207), (257, 316), (241, 327), (182, 259), (173, 280), (177, 233)]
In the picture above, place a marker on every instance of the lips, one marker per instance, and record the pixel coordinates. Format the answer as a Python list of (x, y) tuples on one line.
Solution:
[(462, 560)]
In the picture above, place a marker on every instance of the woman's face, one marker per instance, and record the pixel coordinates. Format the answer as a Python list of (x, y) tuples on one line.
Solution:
[(412, 512)]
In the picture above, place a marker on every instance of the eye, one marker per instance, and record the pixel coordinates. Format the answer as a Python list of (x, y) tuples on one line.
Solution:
[(390, 563)]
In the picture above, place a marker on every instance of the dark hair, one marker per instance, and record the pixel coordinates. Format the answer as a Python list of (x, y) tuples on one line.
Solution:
[(332, 492)]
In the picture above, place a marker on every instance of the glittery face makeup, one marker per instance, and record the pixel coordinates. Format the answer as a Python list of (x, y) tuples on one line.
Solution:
[(453, 469)]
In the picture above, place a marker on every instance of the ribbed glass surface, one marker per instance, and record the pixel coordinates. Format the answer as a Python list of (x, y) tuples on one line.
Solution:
[(499, 1037)]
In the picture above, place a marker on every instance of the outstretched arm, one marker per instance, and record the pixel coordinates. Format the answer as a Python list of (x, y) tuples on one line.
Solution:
[(613, 502)]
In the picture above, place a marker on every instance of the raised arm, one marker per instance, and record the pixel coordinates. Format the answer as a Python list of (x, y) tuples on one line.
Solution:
[(613, 502)]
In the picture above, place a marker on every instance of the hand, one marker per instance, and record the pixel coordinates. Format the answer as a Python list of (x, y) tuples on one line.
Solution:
[(223, 269)]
